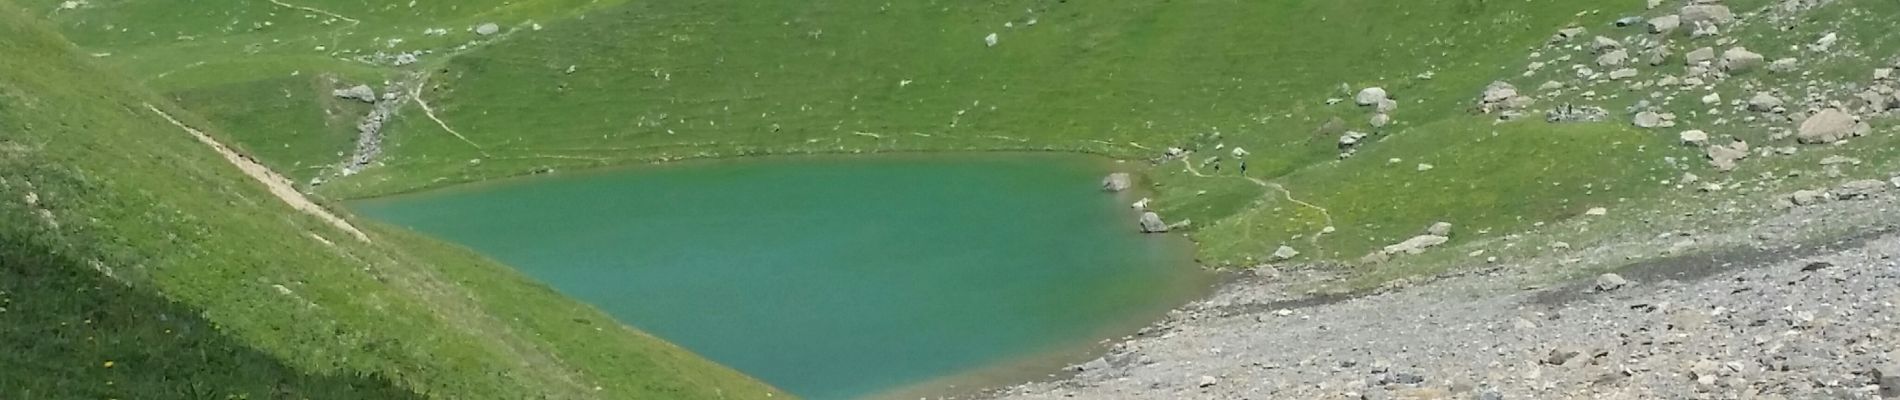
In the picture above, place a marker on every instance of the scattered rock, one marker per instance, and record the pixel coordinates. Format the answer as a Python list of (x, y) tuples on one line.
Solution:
[(1860, 189), (1565, 34), (1621, 74), (1439, 229), (1572, 113), (1609, 282), (1614, 58), (1597, 212), (1117, 182), (1415, 245), (1380, 120), (1664, 24), (1561, 355), (1652, 119), (1285, 253), (1784, 66), (1764, 102), (361, 93), (1603, 44), (487, 29), (990, 41), (1699, 56), (1152, 223), (1207, 381), (1694, 137), (1829, 126), (1725, 157), (1713, 14), (1370, 96), (1739, 59), (1807, 197)]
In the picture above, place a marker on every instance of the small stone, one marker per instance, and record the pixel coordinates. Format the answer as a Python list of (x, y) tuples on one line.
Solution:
[(1764, 102), (1561, 355), (1860, 189), (1694, 137), (1701, 55), (990, 41), (1152, 223), (1621, 74), (1117, 182), (1439, 228), (487, 29), (1207, 381), (1608, 282), (1807, 197), (1783, 66), (1422, 167), (1285, 253), (1739, 59), (1597, 212), (1370, 96)]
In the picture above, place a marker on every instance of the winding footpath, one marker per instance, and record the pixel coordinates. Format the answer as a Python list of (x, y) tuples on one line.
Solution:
[(1288, 194), (278, 185)]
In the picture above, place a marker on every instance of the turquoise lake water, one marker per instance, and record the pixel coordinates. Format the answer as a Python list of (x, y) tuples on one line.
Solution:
[(833, 277)]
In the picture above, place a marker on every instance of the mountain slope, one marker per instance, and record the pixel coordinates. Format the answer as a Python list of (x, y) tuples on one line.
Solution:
[(101, 192)]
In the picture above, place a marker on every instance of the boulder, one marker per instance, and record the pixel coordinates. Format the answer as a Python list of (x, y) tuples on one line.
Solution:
[(1386, 106), (1614, 58), (487, 29), (1784, 66), (1207, 381), (990, 41), (1439, 229), (1622, 74), (1714, 14), (1860, 189), (1649, 119), (1764, 102), (1152, 223), (1739, 59), (1724, 157), (1664, 24), (1117, 182), (1565, 34), (1498, 92), (361, 93), (1699, 56), (1694, 137), (1807, 197), (1370, 96), (1285, 253), (1829, 126), (1604, 44), (1380, 120), (1416, 244), (1608, 282)]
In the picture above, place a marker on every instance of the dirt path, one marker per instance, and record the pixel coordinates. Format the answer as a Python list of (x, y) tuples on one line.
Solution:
[(415, 93), (278, 185), (1288, 194)]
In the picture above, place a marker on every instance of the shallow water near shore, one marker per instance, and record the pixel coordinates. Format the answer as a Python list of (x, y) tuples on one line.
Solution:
[(835, 277)]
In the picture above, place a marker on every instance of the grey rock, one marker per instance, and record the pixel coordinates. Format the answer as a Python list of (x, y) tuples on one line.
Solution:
[(1609, 282), (1694, 137), (1621, 74), (1614, 58), (1116, 182), (1714, 14), (1415, 245), (1561, 355), (1439, 228), (487, 29), (1664, 24), (1764, 102), (361, 93), (1829, 126), (1152, 223), (1380, 120), (1603, 44), (1739, 59), (1887, 377), (1698, 56), (1860, 189), (1784, 66), (1807, 197), (1649, 119), (1285, 253), (1207, 381), (1370, 96)]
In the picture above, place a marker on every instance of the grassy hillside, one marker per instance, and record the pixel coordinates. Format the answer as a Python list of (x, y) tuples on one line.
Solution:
[(566, 84), (127, 241)]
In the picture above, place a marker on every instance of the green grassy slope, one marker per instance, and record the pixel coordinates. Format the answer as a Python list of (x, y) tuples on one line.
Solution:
[(96, 186), (658, 81), (568, 84)]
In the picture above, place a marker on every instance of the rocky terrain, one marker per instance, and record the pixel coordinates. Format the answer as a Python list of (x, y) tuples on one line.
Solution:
[(1786, 314)]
